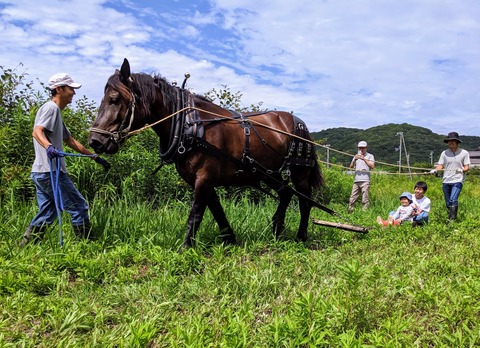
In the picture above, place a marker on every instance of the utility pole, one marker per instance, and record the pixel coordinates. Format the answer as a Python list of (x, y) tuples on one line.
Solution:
[(328, 155), (400, 150), (407, 156), (431, 158)]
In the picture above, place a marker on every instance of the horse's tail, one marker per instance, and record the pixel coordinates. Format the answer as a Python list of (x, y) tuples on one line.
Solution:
[(316, 178)]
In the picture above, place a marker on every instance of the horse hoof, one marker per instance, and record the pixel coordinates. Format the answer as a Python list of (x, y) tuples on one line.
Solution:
[(230, 240), (301, 239)]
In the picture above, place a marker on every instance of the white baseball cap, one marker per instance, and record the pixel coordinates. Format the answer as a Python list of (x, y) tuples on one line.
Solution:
[(362, 144), (62, 79)]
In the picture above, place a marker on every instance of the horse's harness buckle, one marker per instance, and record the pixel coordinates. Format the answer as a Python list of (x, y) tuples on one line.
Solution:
[(181, 149), (117, 137)]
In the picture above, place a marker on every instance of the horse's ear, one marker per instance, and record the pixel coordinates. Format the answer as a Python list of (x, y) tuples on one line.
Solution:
[(125, 70)]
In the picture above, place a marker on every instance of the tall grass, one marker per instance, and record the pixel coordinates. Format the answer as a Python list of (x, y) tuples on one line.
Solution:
[(393, 287)]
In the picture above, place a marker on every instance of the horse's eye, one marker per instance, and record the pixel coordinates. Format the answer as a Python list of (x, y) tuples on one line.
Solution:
[(113, 100)]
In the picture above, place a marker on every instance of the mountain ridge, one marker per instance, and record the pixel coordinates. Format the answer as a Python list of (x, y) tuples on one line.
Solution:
[(422, 145)]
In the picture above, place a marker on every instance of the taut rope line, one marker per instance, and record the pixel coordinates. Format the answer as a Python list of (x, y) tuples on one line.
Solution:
[(275, 130)]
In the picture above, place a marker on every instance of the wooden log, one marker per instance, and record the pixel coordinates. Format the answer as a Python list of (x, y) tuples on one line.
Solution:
[(338, 225)]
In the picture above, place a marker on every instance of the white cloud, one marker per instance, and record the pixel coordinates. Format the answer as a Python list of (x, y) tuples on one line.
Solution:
[(334, 63)]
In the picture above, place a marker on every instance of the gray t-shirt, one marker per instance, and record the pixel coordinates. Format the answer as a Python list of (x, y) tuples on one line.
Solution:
[(49, 116), (362, 170), (451, 162)]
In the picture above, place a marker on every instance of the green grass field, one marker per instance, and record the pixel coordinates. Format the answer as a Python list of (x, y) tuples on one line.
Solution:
[(393, 287)]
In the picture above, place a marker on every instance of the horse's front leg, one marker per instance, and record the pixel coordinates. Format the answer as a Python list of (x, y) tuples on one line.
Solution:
[(219, 215), (200, 198)]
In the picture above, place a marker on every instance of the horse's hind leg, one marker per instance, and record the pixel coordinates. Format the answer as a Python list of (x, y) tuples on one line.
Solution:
[(219, 215), (278, 219), (305, 208)]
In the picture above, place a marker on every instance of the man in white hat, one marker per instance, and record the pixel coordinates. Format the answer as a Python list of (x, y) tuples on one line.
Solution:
[(49, 135), (363, 163)]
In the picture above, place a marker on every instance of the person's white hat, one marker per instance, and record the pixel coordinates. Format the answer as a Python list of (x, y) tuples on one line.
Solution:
[(62, 79), (362, 144)]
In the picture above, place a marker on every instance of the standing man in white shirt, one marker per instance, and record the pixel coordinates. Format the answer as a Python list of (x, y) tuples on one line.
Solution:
[(363, 162), (49, 136)]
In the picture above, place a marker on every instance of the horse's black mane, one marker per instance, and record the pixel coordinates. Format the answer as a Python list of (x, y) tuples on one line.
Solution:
[(165, 86), (144, 88)]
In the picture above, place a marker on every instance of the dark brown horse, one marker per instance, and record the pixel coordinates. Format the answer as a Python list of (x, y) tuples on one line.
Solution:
[(211, 146)]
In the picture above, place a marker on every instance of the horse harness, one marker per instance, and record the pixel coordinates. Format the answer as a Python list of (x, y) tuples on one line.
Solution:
[(188, 129), (299, 154)]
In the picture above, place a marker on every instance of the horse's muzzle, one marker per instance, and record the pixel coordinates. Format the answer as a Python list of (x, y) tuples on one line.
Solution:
[(102, 144)]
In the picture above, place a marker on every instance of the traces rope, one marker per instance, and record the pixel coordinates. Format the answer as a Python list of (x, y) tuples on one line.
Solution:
[(227, 118)]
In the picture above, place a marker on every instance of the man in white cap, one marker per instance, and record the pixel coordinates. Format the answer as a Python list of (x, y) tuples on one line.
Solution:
[(49, 135), (363, 163)]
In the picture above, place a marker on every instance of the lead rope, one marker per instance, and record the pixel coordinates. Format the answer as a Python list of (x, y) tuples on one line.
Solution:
[(56, 188)]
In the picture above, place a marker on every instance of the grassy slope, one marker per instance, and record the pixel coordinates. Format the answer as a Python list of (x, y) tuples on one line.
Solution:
[(392, 287)]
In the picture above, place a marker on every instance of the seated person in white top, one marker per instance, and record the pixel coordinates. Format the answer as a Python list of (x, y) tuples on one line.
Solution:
[(421, 204)]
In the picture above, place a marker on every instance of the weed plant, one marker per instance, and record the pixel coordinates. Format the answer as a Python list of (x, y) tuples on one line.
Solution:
[(394, 287)]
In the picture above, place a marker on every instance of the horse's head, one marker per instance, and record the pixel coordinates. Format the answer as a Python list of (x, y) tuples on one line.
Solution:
[(117, 112)]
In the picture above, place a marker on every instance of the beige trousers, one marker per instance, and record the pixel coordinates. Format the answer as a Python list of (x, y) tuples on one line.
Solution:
[(359, 187)]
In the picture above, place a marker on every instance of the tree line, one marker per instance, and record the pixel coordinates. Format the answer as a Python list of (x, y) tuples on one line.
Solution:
[(423, 146)]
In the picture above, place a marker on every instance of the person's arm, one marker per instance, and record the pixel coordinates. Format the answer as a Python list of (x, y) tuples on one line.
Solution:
[(370, 163), (416, 209), (74, 144), (77, 146), (354, 160), (408, 214), (39, 135)]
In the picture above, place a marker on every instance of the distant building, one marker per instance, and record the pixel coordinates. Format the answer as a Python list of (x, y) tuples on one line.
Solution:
[(475, 158)]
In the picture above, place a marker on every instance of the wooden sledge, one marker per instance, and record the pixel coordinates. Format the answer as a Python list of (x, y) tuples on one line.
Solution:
[(338, 225)]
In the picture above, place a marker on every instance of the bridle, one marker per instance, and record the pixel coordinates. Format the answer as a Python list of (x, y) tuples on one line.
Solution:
[(123, 131)]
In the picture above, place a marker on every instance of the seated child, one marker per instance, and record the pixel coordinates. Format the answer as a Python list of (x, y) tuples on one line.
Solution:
[(402, 214), (421, 204)]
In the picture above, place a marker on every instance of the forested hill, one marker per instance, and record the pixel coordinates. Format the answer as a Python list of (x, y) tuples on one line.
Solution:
[(383, 142)]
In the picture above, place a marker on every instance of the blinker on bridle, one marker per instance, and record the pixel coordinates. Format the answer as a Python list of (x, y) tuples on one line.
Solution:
[(122, 131)]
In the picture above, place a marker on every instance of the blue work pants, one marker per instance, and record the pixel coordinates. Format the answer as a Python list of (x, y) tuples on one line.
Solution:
[(451, 193), (73, 201)]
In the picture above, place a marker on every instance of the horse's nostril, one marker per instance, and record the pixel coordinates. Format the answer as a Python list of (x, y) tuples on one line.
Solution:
[(96, 145)]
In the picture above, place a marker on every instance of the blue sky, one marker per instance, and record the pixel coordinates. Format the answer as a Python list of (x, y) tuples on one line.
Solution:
[(334, 63)]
